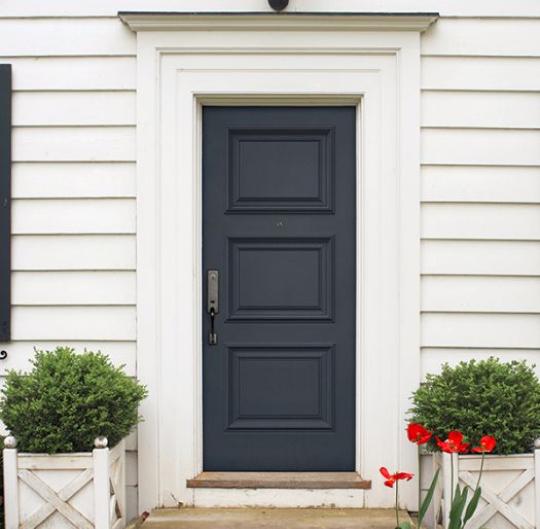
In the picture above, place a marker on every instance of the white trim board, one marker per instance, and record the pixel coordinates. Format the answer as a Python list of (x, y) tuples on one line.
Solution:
[(178, 73), (289, 21)]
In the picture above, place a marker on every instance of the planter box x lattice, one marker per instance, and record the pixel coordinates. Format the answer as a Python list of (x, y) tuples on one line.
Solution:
[(510, 488), (61, 491)]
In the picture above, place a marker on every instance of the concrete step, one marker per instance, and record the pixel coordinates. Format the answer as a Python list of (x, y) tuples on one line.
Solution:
[(268, 518), (279, 480)]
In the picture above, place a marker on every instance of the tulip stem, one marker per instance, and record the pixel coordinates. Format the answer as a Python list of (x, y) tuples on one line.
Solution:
[(397, 503), (481, 470)]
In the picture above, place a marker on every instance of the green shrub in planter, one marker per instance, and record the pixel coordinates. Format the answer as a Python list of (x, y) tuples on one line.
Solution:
[(480, 398), (68, 399)]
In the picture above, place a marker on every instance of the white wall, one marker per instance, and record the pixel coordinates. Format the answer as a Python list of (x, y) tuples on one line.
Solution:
[(481, 189), (74, 175), (73, 190), (481, 192)]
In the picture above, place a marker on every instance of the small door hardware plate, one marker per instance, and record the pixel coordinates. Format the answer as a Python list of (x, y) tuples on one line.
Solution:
[(213, 291)]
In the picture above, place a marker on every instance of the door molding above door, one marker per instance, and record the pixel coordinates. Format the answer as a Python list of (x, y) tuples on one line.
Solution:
[(178, 73)]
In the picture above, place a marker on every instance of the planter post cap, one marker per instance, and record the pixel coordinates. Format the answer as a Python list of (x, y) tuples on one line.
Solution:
[(537, 443), (10, 442), (101, 442)]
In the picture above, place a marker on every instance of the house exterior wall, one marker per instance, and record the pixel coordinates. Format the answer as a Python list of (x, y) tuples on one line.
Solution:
[(74, 161)]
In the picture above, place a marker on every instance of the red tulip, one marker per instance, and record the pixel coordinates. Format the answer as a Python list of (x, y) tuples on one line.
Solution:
[(454, 444), (487, 445), (418, 434), (392, 478)]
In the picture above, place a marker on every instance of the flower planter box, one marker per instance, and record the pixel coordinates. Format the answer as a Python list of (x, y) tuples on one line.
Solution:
[(62, 491), (510, 491)]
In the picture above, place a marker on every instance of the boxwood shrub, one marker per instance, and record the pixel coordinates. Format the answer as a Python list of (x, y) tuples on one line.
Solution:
[(67, 400), (479, 398)]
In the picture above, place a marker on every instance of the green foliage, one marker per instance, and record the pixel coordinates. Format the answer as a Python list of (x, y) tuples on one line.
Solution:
[(457, 518), (67, 400), (482, 398), (427, 500)]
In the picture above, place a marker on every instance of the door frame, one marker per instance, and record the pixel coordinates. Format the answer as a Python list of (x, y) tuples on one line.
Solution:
[(179, 72)]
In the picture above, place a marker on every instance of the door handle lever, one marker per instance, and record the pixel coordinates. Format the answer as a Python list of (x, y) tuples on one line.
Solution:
[(212, 303)]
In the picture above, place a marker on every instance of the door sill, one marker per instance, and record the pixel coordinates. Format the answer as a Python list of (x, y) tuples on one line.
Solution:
[(278, 480)]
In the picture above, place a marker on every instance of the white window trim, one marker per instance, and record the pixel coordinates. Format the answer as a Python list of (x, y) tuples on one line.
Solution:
[(221, 60)]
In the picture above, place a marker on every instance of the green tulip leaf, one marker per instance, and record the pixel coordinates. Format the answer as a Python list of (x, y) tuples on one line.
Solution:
[(427, 500), (473, 504)]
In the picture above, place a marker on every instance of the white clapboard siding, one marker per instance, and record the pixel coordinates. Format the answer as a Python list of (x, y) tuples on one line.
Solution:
[(496, 37), (49, 37), (73, 323), (74, 73), (65, 216), (73, 180), (481, 109), (480, 73), (73, 288), (480, 147), (524, 8), (481, 221), (446, 183), (481, 330), (92, 144), (514, 258), (481, 294), (73, 252), (21, 353), (433, 359), (73, 108)]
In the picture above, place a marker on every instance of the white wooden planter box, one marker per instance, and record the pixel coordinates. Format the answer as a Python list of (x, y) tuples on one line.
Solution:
[(65, 491), (510, 491)]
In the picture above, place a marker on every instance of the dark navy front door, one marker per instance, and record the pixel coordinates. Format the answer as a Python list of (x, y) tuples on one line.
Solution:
[(279, 217)]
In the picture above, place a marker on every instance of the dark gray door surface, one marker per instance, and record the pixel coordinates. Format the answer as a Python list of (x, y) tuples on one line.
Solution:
[(279, 223)]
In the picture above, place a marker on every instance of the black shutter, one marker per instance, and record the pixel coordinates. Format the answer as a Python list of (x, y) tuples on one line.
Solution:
[(5, 202)]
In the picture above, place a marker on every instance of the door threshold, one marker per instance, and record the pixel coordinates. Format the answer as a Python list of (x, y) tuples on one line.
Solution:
[(278, 480)]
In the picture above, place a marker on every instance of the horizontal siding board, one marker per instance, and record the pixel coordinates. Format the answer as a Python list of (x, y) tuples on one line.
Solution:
[(108, 8), (481, 184), (481, 294), (93, 144), (50, 37), (73, 73), (481, 330), (480, 73), (66, 216), (73, 288), (74, 252), (514, 258), (74, 323), (481, 221), (480, 147), (481, 109), (20, 353), (454, 36), (74, 108), (73, 180), (433, 359)]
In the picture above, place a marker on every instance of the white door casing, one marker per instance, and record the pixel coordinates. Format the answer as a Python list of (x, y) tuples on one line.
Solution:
[(187, 61)]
